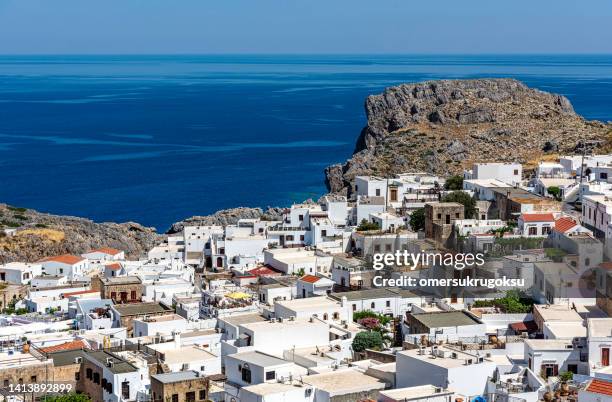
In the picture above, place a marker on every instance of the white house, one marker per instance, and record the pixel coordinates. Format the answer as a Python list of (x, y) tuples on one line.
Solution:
[(324, 308), (161, 324), (510, 173), (551, 357), (104, 254), (19, 272), (68, 265), (464, 372), (311, 285), (599, 341), (255, 367), (536, 224)]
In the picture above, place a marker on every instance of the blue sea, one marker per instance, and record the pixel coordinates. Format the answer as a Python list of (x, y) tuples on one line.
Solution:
[(155, 139)]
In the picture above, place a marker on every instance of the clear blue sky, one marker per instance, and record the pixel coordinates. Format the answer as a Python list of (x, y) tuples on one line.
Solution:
[(305, 26)]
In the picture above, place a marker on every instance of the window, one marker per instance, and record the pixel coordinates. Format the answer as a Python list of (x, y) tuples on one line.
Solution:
[(270, 375), (457, 215), (533, 231), (88, 373), (133, 294), (301, 237), (587, 261), (109, 387), (246, 374), (516, 172), (190, 396), (323, 232), (77, 376), (546, 230), (388, 303), (202, 394), (378, 192), (336, 316), (354, 307), (125, 390), (61, 271), (373, 305), (174, 397), (96, 378), (387, 247), (289, 237), (448, 219), (301, 218), (113, 295), (603, 176), (377, 248), (221, 250), (439, 216), (6, 383)]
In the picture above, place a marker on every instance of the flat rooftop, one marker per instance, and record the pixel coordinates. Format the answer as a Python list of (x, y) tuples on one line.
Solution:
[(341, 382), (186, 354), (567, 330), (599, 327), (374, 293), (309, 303), (168, 378), (557, 312), (549, 344), (141, 308), (243, 319), (164, 318), (119, 365), (271, 388), (441, 319), (410, 393), (120, 280), (453, 357), (259, 359)]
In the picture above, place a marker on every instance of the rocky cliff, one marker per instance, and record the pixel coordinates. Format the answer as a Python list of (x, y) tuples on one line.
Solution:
[(445, 126), (41, 235)]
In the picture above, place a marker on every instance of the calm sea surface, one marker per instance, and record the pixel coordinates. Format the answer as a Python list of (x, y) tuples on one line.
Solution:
[(155, 139)]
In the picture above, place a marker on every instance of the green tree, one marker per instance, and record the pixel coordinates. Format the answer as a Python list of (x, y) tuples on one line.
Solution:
[(69, 397), (365, 226), (367, 340), (469, 204), (555, 192), (454, 183), (417, 219)]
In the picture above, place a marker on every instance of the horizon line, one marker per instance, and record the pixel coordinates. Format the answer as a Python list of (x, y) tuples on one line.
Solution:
[(314, 54)]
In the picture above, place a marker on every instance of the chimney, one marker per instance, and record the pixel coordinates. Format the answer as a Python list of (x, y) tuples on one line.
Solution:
[(177, 339)]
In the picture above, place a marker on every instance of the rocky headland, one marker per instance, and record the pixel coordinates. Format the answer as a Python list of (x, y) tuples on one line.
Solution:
[(445, 126)]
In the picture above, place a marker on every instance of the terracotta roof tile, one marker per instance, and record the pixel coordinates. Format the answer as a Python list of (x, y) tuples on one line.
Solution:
[(263, 271), (606, 265), (600, 387), (64, 258), (72, 345), (106, 250), (537, 217), (310, 278), (564, 224), (115, 266)]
